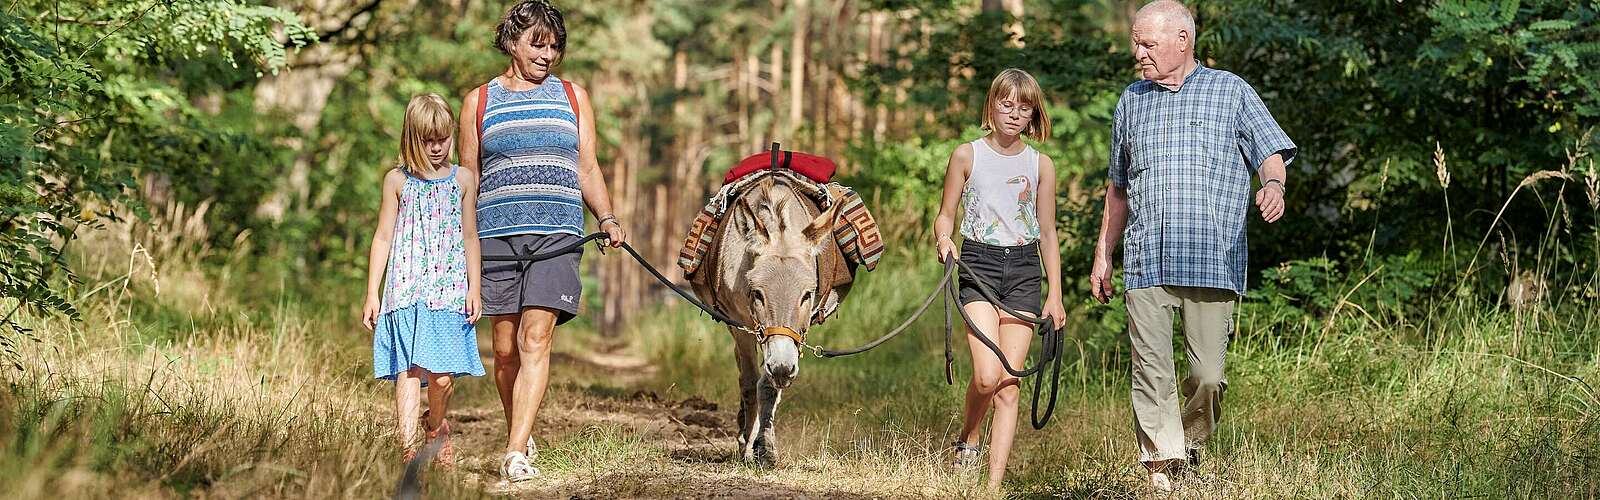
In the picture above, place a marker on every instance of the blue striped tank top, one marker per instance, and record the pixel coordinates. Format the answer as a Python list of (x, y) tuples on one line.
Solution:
[(529, 162)]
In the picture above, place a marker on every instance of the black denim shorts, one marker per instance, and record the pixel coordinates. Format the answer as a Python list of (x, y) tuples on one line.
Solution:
[(1013, 273)]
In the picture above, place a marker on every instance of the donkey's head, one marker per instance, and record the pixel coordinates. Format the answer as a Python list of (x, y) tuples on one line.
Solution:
[(778, 286)]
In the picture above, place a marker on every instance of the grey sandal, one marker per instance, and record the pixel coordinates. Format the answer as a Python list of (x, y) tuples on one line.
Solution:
[(967, 455)]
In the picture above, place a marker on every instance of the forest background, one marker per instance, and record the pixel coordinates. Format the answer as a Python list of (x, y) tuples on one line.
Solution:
[(188, 188)]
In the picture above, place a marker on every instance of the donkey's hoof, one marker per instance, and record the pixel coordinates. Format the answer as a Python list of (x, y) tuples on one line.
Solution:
[(760, 459), (765, 455)]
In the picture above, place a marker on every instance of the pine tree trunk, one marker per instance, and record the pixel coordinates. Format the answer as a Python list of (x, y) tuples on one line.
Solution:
[(879, 45), (797, 66), (1015, 9), (775, 91), (741, 95)]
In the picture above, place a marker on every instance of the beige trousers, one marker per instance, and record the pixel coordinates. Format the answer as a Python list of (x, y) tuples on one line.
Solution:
[(1164, 433)]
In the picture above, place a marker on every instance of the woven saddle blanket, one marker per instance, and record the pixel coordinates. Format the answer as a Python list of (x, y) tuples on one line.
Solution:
[(858, 242)]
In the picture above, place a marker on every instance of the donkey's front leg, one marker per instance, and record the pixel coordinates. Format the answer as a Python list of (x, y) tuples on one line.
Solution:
[(744, 350), (766, 445)]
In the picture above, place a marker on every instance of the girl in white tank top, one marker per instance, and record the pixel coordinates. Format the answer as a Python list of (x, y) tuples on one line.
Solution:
[(1007, 191), (1001, 196)]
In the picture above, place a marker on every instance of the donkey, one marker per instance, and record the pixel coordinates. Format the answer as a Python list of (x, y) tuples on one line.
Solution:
[(766, 277)]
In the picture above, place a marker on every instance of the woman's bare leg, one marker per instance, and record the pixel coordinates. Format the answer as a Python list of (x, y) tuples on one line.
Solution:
[(506, 360), (533, 376)]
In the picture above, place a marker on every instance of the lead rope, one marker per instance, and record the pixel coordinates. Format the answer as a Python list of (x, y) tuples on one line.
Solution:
[(569, 248), (1049, 353), (1050, 348)]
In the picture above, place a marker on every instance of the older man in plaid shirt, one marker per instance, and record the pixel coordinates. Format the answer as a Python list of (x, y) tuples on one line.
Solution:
[(1184, 143)]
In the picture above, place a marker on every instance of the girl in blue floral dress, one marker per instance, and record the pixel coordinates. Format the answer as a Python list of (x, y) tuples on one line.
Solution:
[(427, 247)]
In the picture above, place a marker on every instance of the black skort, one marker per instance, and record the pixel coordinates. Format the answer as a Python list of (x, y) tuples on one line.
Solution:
[(1013, 272)]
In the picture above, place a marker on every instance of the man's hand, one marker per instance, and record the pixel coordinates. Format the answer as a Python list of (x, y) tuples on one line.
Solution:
[(1270, 201), (1100, 280)]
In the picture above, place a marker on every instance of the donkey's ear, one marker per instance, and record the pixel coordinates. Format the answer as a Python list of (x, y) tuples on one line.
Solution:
[(753, 225), (821, 227)]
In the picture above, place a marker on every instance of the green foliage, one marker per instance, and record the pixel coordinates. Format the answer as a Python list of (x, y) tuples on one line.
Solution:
[(1368, 90), (89, 102), (1298, 289), (1389, 293), (908, 174), (1063, 49)]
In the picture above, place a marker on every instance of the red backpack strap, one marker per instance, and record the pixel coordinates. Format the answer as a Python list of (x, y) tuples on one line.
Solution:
[(573, 101), (483, 105)]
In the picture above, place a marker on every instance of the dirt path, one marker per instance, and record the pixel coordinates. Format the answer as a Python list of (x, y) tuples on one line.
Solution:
[(598, 441)]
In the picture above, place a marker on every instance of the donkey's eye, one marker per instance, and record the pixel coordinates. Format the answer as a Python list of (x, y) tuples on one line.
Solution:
[(755, 296), (808, 297)]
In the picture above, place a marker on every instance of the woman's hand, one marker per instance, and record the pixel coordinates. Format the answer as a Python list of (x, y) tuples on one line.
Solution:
[(615, 236), (369, 313), (474, 305), (947, 249)]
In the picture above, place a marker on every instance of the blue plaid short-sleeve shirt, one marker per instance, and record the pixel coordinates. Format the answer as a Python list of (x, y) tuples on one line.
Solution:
[(1185, 158)]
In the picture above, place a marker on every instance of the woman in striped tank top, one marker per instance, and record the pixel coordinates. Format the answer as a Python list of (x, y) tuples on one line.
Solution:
[(532, 140)]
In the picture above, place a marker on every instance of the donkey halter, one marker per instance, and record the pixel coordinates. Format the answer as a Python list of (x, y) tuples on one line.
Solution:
[(765, 333), (782, 331)]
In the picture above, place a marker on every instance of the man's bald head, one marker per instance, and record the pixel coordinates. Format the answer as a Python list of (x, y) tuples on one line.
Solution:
[(1167, 16), (1163, 41)]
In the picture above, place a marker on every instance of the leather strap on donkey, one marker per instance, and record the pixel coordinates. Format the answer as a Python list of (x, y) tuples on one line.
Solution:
[(783, 331)]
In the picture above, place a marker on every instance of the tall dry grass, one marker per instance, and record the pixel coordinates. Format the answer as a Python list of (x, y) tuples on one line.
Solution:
[(177, 384)]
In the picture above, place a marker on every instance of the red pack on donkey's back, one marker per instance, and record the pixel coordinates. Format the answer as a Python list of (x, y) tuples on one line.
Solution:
[(814, 167)]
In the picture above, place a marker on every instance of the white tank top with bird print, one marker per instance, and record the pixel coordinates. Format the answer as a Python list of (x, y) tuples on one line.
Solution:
[(1000, 197)]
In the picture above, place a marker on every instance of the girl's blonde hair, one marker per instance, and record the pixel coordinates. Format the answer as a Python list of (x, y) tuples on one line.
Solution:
[(1021, 85), (428, 116)]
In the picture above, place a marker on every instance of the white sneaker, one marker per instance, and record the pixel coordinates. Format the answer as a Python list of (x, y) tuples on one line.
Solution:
[(514, 468)]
